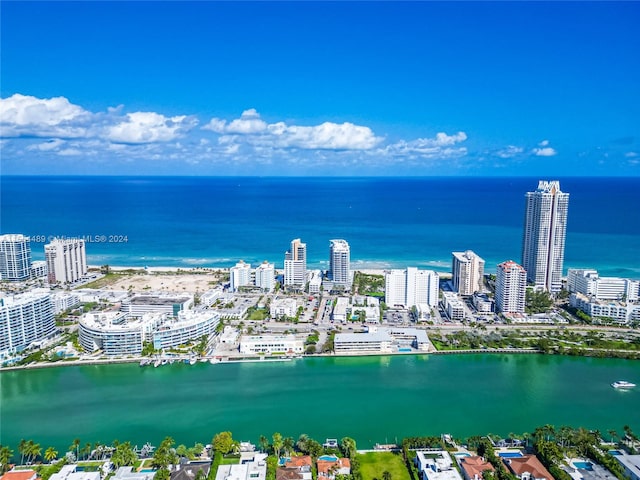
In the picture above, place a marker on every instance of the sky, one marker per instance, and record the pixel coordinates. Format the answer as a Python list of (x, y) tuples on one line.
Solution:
[(326, 88)]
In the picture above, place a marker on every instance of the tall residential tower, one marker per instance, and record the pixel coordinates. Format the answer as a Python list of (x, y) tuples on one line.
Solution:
[(66, 260), (15, 257), (295, 264), (467, 270), (545, 229), (339, 262)]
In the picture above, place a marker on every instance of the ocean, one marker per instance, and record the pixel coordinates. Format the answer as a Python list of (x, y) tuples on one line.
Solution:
[(388, 222)]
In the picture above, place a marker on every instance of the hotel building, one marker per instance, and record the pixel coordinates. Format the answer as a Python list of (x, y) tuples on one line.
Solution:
[(545, 229), (339, 262), (406, 288), (25, 319), (511, 285), (589, 283), (254, 344), (15, 257), (66, 260), (266, 276), (295, 264), (240, 275), (467, 272)]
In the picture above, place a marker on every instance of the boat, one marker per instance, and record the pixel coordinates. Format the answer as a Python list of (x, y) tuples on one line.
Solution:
[(193, 361), (623, 384), (157, 363)]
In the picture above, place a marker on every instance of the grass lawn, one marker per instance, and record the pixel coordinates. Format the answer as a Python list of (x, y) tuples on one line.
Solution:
[(230, 460), (372, 465)]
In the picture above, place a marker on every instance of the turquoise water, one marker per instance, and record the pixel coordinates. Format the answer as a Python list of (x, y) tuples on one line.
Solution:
[(389, 222), (328, 458), (372, 399), (583, 465), (509, 454)]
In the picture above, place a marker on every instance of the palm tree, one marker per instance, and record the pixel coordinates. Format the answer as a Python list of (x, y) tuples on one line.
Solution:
[(50, 454), (264, 443), (74, 447), (386, 475), (277, 443), (22, 448), (302, 443), (348, 446), (5, 457), (287, 444), (34, 451), (613, 434)]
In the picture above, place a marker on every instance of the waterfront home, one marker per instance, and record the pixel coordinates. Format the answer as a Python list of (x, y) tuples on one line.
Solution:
[(295, 468), (20, 475), (527, 467), (127, 473), (70, 472), (189, 470), (329, 467), (474, 467), (630, 464), (253, 470), (436, 465)]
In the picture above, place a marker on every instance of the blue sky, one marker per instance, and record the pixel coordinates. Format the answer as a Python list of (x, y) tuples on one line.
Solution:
[(332, 88)]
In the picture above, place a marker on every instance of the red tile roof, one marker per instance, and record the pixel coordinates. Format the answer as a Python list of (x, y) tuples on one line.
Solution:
[(325, 465), (20, 475), (473, 466), (304, 461), (528, 464)]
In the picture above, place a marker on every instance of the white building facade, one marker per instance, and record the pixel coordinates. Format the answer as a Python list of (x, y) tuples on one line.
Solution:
[(406, 288), (467, 271), (283, 344), (511, 285), (295, 264), (545, 228), (25, 319), (283, 307), (240, 275), (339, 262), (588, 282), (266, 276), (15, 257), (66, 260), (453, 306)]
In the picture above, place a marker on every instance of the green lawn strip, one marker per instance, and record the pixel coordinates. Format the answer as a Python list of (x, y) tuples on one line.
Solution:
[(374, 464), (230, 460)]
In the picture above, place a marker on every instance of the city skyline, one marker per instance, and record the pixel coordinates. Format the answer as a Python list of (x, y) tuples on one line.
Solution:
[(417, 88)]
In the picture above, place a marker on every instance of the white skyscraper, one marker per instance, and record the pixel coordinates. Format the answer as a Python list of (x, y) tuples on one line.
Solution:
[(511, 286), (265, 276), (411, 287), (15, 257), (545, 229), (467, 272), (24, 319), (339, 262), (66, 260), (240, 275), (295, 264)]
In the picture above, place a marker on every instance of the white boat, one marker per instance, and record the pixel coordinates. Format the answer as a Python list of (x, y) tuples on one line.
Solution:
[(623, 384)]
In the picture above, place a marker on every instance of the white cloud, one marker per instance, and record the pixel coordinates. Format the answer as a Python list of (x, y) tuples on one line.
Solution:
[(251, 129), (438, 146), (149, 127), (54, 144), (24, 115), (509, 152), (543, 143), (544, 152), (631, 154)]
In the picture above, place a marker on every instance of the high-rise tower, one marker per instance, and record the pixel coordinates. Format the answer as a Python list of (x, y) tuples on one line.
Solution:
[(545, 229), (15, 257), (339, 262), (295, 263), (467, 272)]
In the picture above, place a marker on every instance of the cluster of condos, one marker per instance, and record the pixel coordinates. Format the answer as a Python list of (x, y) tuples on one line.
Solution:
[(27, 319)]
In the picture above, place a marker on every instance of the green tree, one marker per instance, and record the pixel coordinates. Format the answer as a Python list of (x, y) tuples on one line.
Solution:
[(5, 457), (302, 443), (264, 443), (50, 454), (74, 447), (277, 443), (386, 475), (223, 442), (348, 447), (22, 448), (287, 445), (123, 455), (164, 456)]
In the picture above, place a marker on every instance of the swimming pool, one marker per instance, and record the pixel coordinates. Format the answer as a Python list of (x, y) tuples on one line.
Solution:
[(615, 452), (328, 458), (284, 460), (461, 454), (147, 470), (583, 465), (509, 454)]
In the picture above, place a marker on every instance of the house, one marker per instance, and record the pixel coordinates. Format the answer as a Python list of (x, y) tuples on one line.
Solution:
[(295, 468), (437, 465), (329, 467), (70, 472), (189, 471), (255, 469), (527, 467), (473, 467), (20, 475)]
